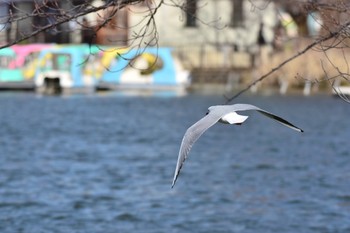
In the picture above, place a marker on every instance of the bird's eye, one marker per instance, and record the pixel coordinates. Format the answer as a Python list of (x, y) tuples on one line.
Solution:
[(207, 113)]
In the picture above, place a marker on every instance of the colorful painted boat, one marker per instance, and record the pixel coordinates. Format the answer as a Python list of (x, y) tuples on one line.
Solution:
[(148, 68), (18, 65), (68, 69), (87, 68)]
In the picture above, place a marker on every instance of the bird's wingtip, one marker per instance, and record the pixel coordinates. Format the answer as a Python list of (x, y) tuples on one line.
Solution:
[(173, 184), (299, 130), (174, 180), (176, 175)]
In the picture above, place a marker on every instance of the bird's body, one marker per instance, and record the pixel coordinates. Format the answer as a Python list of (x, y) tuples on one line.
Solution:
[(232, 118), (220, 113)]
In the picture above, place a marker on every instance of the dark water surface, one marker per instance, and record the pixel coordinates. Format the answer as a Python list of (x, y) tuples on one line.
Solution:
[(105, 164)]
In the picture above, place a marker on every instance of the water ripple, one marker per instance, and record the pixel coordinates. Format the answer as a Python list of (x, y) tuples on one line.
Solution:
[(105, 164)]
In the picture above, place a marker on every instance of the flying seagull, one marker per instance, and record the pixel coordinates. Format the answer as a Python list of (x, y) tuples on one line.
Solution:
[(220, 113)]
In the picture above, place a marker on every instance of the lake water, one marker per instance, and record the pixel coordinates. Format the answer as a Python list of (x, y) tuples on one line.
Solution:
[(104, 163)]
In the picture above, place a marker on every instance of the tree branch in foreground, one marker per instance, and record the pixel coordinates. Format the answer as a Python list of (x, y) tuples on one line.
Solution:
[(64, 17), (343, 30)]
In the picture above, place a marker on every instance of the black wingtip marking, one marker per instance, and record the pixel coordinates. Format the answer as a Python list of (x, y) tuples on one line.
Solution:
[(175, 178), (173, 184), (281, 120)]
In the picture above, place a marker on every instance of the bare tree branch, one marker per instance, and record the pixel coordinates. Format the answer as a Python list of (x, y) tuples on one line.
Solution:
[(62, 16), (331, 35)]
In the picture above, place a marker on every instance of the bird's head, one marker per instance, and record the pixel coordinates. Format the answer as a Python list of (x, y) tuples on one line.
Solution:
[(209, 110)]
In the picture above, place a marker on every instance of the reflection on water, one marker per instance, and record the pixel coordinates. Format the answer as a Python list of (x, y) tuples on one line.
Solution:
[(105, 164)]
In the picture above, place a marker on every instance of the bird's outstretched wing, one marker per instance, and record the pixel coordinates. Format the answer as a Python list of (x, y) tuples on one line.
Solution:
[(246, 107), (195, 131), (191, 136)]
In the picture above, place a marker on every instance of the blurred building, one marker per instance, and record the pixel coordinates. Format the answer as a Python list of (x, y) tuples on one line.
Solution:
[(20, 18), (203, 31), (319, 17), (200, 25)]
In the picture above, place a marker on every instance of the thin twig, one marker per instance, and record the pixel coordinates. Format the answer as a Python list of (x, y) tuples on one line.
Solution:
[(298, 54)]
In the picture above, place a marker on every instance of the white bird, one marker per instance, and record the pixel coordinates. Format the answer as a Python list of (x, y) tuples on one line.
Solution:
[(220, 113)]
